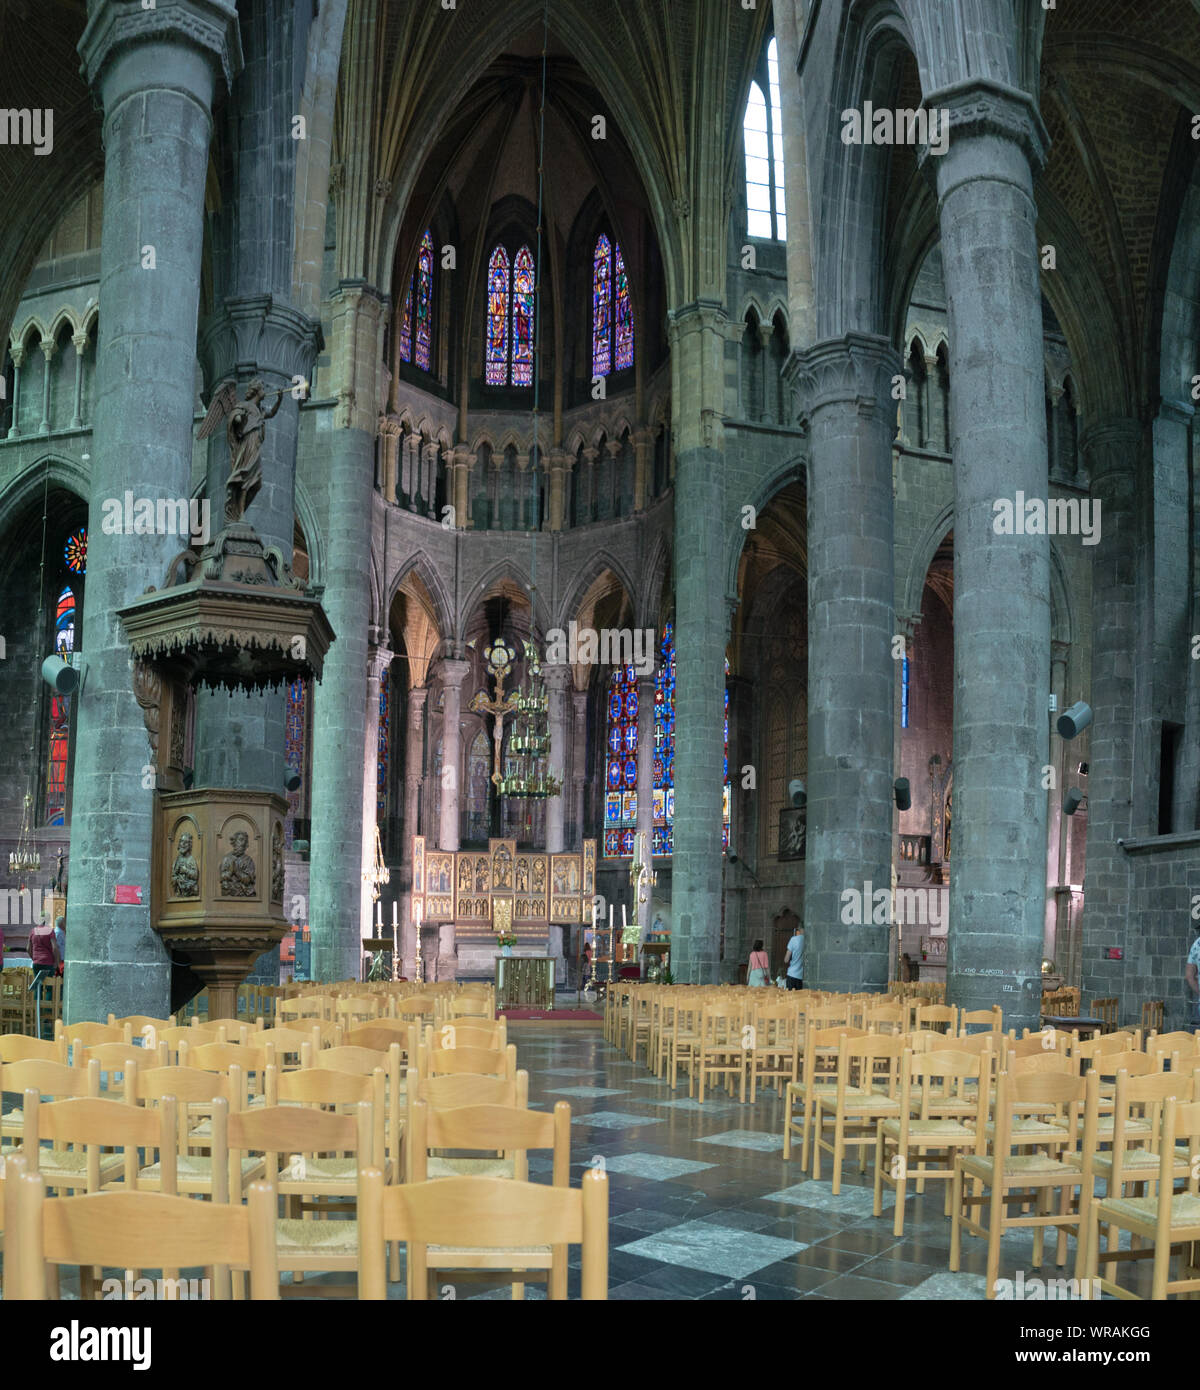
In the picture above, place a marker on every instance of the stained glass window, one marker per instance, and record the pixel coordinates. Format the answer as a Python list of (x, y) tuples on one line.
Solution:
[(75, 552), (496, 347), (904, 693), (383, 748), (422, 291), (602, 308), (522, 318), (612, 310), (59, 740), (620, 764), (406, 317), (623, 316)]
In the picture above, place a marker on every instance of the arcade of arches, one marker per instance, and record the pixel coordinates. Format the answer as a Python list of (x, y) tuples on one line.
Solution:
[(626, 339)]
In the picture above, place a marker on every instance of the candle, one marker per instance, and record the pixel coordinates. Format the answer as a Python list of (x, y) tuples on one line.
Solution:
[(379, 914), (395, 919), (624, 924), (610, 916)]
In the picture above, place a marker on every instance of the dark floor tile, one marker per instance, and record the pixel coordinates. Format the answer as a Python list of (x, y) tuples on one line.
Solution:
[(687, 1283), (788, 1274), (753, 1292), (639, 1292), (851, 1286), (865, 1242), (836, 1261), (897, 1271)]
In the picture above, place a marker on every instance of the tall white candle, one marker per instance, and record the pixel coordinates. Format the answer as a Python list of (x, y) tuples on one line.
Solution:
[(624, 924), (379, 914), (610, 916), (395, 918)]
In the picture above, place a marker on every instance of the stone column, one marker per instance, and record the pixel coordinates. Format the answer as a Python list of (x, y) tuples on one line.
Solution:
[(79, 342), (379, 658), (49, 352), (18, 360), (462, 458), (523, 509), (697, 335), (390, 433), (413, 751), (643, 461), (557, 678), (579, 700), (560, 462), (645, 784), (844, 386), (429, 462), (339, 725), (1001, 582), (1112, 448), (153, 71), (585, 482), (453, 674), (1058, 826)]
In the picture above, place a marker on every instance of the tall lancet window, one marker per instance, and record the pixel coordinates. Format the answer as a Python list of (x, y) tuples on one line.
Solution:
[(762, 135), (416, 319), (58, 743), (496, 328), (522, 318), (612, 310)]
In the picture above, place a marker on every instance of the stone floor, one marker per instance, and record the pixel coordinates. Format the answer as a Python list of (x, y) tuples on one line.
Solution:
[(703, 1204)]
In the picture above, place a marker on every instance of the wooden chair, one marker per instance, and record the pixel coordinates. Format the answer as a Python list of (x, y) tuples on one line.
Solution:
[(862, 1096), (12, 1168), (940, 1018), (468, 1032), (637, 1024), (485, 1223), (1152, 1015), (991, 1019), (683, 1041), (197, 1095), (142, 1230), (51, 1080), (919, 1129), (468, 1006), (441, 1139), (289, 1043), (364, 1061), (145, 1027), (1171, 1219), (313, 1140), (19, 1047), (1131, 1129), (1010, 1177), (1169, 1047), (455, 1061), (90, 1034), (819, 1070), (721, 1050), (219, 1057), (93, 1125), (118, 1059), (1107, 1011), (774, 1054)]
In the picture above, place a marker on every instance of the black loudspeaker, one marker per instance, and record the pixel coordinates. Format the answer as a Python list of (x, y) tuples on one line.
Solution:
[(1072, 800), (903, 794), (1075, 720)]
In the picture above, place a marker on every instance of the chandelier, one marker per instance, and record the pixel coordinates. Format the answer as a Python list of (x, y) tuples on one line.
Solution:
[(25, 859), (378, 874), (525, 773)]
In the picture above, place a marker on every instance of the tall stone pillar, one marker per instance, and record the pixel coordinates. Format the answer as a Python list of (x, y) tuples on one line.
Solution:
[(413, 757), (461, 461), (453, 674), (556, 691), (155, 73), (643, 462), (586, 482), (339, 724), (579, 771), (429, 472), (1111, 448), (701, 616), (389, 431), (379, 658), (79, 342), (49, 352), (645, 785), (844, 385), (1001, 581), (560, 462), (17, 354)]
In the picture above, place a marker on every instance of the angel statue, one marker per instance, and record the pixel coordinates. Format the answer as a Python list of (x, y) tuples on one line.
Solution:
[(245, 427)]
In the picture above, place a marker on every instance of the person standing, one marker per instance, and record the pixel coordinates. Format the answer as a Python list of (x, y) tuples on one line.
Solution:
[(794, 960), (43, 952), (760, 966), (1192, 975)]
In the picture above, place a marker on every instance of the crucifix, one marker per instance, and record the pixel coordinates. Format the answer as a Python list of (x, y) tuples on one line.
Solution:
[(500, 657)]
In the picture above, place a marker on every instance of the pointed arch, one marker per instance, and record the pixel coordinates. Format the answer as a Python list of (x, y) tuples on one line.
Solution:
[(599, 563)]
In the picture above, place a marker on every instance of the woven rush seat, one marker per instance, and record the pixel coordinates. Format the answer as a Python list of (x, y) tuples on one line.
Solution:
[(469, 1167), (73, 1162), (198, 1167), (538, 1255), (294, 1237), (1185, 1211), (933, 1129), (1040, 1131), (1138, 1158), (875, 1101), (981, 1166)]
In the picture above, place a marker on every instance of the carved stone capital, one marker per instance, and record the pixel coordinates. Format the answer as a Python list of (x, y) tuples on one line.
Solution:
[(378, 660), (453, 673), (981, 106), (854, 370), (208, 25), (1110, 447), (257, 335)]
